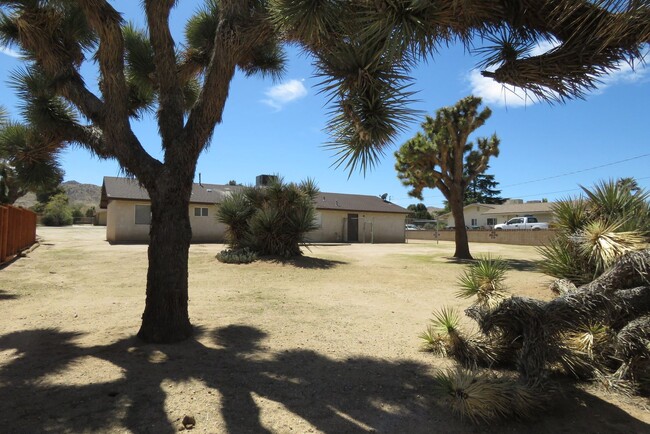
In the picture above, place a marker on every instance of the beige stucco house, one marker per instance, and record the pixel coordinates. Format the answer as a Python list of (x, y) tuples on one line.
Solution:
[(340, 217), (479, 215)]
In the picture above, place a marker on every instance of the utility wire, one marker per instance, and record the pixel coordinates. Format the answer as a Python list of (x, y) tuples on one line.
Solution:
[(577, 171)]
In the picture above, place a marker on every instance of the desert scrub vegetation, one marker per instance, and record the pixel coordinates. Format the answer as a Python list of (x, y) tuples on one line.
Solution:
[(237, 256), (483, 280), (270, 220), (598, 332), (610, 219)]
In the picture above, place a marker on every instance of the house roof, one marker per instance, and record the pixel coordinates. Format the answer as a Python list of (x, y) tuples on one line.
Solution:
[(483, 205), (521, 208), (129, 189), (356, 202)]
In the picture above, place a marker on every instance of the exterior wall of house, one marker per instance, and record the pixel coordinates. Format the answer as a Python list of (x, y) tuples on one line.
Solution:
[(373, 227), (100, 217), (121, 226), (120, 223), (206, 229), (472, 212)]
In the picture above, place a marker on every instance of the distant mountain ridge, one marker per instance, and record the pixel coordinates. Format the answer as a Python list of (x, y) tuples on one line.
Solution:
[(83, 195), (87, 195)]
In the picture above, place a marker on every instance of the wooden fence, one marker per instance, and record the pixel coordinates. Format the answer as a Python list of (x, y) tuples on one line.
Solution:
[(17, 231)]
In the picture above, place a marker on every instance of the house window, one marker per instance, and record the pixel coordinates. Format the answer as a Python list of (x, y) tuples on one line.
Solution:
[(491, 221), (200, 212), (474, 222), (142, 214)]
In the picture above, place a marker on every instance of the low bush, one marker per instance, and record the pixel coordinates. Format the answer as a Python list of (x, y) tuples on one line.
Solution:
[(237, 256)]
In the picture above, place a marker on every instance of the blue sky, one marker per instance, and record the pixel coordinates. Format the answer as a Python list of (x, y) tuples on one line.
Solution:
[(277, 127)]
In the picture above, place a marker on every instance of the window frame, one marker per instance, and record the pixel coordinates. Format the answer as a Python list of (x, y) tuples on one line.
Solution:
[(200, 211)]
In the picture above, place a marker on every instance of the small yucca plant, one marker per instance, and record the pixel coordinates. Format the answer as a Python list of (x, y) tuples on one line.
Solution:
[(600, 242), (435, 342), (479, 396), (444, 337), (484, 280)]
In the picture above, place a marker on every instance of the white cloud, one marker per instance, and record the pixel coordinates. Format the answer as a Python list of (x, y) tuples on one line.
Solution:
[(543, 46), (494, 93), (9, 52), (283, 93), (624, 74), (498, 94)]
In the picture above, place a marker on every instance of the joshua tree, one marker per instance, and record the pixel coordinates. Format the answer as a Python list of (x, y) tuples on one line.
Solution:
[(363, 51), (443, 158)]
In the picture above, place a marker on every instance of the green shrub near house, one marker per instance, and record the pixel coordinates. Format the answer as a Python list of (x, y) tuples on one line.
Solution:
[(270, 220)]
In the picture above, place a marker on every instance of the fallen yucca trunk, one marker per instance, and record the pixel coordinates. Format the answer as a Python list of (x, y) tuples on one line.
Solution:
[(619, 297)]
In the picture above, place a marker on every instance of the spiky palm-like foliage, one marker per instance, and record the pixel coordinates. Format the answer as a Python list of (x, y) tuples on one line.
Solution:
[(483, 279), (615, 202), (27, 162), (485, 397), (270, 220), (443, 337), (563, 262), (593, 231), (601, 243)]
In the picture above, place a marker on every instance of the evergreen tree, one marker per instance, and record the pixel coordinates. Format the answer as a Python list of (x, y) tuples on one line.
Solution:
[(482, 189), (418, 211)]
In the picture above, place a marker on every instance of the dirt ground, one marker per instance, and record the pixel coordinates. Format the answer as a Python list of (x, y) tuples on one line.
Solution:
[(328, 343)]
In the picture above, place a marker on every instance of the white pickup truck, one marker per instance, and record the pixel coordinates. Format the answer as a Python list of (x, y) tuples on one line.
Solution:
[(529, 223)]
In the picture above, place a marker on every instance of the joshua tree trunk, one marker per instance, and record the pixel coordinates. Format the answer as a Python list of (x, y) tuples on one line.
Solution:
[(462, 243), (165, 317)]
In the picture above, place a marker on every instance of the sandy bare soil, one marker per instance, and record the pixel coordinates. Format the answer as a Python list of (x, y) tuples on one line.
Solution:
[(328, 343)]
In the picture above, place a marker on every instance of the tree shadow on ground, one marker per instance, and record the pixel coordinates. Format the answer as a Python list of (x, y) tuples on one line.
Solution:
[(523, 264), (355, 395), (307, 262), (452, 260), (515, 264)]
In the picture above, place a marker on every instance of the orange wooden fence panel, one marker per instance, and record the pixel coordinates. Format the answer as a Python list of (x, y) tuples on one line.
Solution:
[(17, 231)]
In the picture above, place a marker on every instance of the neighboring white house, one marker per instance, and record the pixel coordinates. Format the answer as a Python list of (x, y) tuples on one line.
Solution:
[(340, 217), (485, 216)]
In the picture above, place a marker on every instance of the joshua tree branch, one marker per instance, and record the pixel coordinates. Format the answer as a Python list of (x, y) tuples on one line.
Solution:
[(170, 95)]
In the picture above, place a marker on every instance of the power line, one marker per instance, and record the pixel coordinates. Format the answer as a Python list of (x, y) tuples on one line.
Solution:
[(577, 171), (566, 191)]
